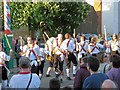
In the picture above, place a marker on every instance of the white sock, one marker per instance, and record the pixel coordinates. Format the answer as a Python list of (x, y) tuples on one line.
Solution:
[(61, 77), (40, 75), (68, 72), (56, 72), (4, 83), (74, 69), (48, 71)]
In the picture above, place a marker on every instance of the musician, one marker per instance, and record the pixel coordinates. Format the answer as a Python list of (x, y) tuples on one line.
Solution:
[(58, 56), (94, 47), (69, 46), (82, 48), (32, 51), (3, 69)]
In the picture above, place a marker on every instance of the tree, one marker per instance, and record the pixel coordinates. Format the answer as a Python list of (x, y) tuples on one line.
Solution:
[(53, 17)]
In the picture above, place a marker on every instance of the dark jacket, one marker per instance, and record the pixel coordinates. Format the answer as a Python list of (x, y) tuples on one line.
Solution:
[(80, 76)]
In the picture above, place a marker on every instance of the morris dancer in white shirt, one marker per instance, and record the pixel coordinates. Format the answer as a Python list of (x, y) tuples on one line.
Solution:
[(69, 46), (107, 48), (49, 54), (82, 48), (58, 56), (32, 51), (40, 67), (3, 69), (93, 47)]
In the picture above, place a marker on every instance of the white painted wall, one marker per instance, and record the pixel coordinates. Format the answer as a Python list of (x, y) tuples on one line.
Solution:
[(110, 16), (91, 2)]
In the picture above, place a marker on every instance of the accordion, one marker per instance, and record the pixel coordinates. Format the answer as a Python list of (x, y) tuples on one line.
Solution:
[(49, 58)]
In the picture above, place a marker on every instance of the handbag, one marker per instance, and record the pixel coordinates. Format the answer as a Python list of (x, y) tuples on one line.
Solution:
[(29, 81)]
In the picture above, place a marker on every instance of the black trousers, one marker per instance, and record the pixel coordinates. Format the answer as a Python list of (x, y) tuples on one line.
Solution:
[(4, 73), (40, 67), (34, 69), (71, 57)]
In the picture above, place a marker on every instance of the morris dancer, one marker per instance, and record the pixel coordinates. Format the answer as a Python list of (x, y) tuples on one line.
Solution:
[(40, 67), (58, 56), (114, 44), (49, 54), (82, 48), (93, 47), (69, 46), (107, 48), (32, 51), (3, 69)]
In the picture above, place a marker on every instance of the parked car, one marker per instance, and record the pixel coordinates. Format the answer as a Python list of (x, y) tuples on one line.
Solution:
[(87, 36)]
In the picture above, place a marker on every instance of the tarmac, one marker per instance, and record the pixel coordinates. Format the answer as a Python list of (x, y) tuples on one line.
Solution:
[(45, 80)]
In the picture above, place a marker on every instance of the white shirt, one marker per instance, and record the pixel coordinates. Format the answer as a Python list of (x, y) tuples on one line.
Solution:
[(70, 47), (32, 56), (3, 57), (56, 47), (22, 80), (80, 47), (114, 45), (95, 51), (42, 52)]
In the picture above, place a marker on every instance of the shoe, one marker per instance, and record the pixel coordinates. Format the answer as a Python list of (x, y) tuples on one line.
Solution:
[(40, 75), (73, 75), (68, 78), (47, 75), (57, 75)]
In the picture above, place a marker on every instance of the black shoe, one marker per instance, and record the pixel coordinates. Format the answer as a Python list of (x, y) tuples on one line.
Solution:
[(47, 75), (73, 75), (68, 78), (57, 75)]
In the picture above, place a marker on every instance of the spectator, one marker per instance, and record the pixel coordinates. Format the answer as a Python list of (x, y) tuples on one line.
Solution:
[(17, 51), (109, 84), (114, 73), (99, 38), (81, 74), (54, 84), (25, 79), (104, 63), (67, 88), (96, 79), (109, 37)]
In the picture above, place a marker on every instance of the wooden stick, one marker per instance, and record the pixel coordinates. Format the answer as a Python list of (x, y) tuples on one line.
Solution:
[(7, 41), (105, 33), (46, 35)]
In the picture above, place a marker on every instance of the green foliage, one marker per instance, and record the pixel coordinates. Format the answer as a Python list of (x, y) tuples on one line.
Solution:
[(53, 17), (0, 9)]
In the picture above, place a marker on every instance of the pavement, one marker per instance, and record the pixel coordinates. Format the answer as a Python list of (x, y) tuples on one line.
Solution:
[(45, 80), (14, 70)]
